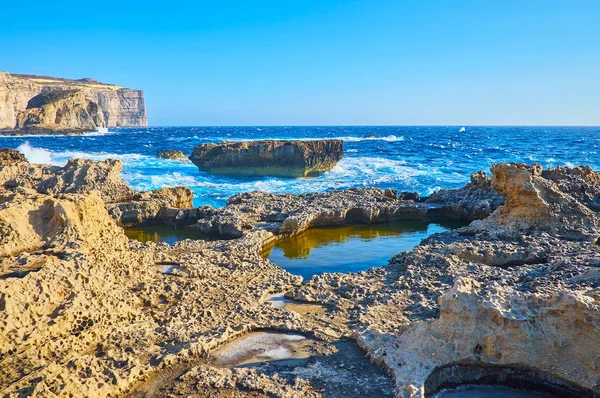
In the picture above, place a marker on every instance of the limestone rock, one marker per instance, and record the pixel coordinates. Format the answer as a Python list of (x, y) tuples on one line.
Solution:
[(10, 156), (41, 104), (161, 206), (82, 175), (535, 203), (172, 154), (476, 200), (67, 109), (288, 214), (269, 158)]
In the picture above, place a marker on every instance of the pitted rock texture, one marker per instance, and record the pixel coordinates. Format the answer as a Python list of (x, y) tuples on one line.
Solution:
[(282, 158), (85, 311), (289, 214), (10, 156), (476, 200), (40, 104), (82, 175), (536, 203), (164, 206)]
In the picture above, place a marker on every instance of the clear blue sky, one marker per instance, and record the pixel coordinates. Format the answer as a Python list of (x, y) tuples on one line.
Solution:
[(323, 62)]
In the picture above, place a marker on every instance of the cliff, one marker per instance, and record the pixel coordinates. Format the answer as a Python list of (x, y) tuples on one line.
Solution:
[(45, 104)]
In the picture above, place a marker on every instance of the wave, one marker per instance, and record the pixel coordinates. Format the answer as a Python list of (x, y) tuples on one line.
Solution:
[(60, 158), (35, 155), (388, 138)]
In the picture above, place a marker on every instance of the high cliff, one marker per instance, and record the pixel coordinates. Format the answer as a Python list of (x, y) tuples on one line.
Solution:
[(44, 104)]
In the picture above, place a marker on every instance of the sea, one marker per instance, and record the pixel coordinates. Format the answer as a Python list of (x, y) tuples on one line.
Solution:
[(420, 158)]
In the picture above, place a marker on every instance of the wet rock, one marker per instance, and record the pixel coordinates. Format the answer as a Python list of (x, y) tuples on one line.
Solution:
[(172, 154), (269, 158)]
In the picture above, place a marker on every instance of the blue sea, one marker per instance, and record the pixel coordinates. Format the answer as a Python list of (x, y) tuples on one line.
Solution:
[(421, 159)]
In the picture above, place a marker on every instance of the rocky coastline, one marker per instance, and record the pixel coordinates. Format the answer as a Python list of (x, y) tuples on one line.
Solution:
[(513, 298), (35, 105)]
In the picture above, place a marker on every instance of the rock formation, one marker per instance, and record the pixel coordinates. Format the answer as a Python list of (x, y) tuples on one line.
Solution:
[(82, 175), (40, 104), (511, 299), (280, 158), (476, 200), (171, 154)]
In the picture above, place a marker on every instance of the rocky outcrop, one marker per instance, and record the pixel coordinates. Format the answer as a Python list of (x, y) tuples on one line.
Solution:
[(269, 158), (82, 175), (288, 214), (476, 200), (535, 203), (172, 154), (85, 311), (40, 104), (164, 206), (10, 156)]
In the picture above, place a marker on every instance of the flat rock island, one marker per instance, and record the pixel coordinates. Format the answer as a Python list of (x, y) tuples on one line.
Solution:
[(279, 158)]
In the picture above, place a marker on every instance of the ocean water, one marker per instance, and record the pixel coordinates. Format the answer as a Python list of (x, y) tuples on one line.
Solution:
[(421, 159)]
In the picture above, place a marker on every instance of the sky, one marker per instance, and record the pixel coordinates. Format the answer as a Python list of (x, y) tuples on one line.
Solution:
[(309, 62)]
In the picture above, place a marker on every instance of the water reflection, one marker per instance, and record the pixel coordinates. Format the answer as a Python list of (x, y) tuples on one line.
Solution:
[(349, 248), (162, 233)]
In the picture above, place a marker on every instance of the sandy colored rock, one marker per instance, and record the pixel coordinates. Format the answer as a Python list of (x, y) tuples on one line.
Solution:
[(162, 206), (281, 158), (42, 104), (10, 156), (172, 154), (85, 311)]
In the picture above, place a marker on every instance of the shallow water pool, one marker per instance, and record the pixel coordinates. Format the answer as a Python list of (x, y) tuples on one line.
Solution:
[(482, 391), (349, 248), (164, 233)]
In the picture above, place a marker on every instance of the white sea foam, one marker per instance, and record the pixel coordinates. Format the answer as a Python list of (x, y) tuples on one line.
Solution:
[(388, 138), (35, 155)]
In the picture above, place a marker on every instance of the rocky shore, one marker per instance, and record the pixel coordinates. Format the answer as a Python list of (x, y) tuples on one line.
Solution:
[(512, 298)]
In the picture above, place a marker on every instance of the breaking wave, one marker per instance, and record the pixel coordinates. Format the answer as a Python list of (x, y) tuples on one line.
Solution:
[(35, 155)]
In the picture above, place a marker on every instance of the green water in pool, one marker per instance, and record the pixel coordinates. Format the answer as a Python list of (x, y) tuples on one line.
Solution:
[(162, 233)]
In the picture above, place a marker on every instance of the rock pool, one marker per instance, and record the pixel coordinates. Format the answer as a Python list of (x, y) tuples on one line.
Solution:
[(349, 248)]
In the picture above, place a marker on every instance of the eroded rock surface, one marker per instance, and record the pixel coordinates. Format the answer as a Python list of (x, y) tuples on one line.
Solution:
[(82, 175), (85, 311), (476, 200), (42, 104), (282, 158)]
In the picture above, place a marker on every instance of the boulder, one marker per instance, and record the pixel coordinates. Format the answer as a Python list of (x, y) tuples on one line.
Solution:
[(172, 154), (277, 158)]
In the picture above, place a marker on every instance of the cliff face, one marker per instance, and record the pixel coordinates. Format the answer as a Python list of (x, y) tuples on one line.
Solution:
[(60, 104)]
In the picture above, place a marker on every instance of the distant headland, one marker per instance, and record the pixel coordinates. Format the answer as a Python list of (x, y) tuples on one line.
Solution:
[(48, 105)]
